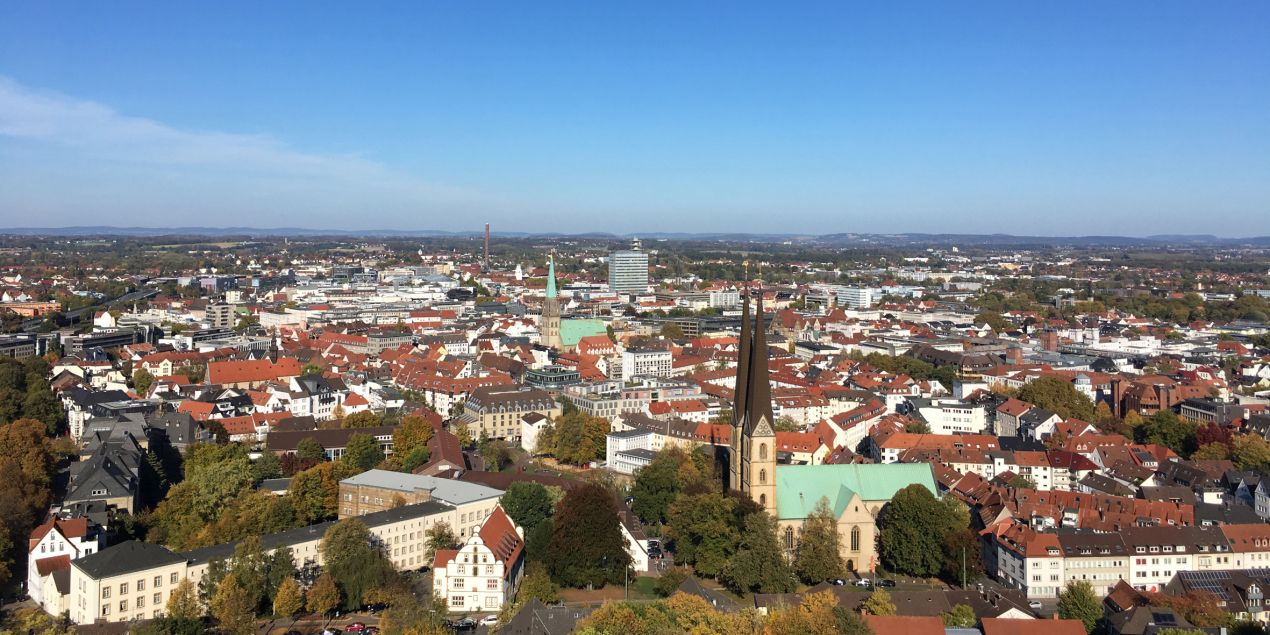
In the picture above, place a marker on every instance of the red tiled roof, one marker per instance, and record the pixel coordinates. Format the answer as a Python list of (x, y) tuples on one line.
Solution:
[(252, 371), (45, 566)]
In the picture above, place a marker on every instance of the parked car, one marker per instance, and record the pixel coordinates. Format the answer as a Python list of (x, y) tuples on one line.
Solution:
[(1034, 605), (839, 582), (465, 624), (886, 583), (864, 582), (356, 626), (370, 630), (489, 620)]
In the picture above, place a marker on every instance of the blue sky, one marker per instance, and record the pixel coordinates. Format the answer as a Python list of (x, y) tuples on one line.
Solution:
[(1050, 118)]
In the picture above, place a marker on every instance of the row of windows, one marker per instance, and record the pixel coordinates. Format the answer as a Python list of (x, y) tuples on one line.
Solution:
[(460, 583), (141, 585), (139, 603)]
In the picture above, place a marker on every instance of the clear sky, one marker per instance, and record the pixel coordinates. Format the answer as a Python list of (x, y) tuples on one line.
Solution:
[(1033, 117)]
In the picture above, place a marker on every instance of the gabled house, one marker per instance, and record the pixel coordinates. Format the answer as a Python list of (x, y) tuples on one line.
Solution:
[(50, 550), (485, 572)]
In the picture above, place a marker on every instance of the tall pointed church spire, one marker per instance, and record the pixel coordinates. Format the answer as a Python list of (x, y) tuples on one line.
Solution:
[(742, 363), (551, 276), (759, 391)]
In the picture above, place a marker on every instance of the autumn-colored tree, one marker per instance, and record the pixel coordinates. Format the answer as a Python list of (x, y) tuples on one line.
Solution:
[(315, 492), (414, 432), (26, 443), (438, 537), (323, 597), (183, 603), (1251, 452), (363, 419), (1211, 432), (1200, 608), (538, 584), (290, 599), (819, 557), (879, 603), (232, 607), (1056, 441), (1211, 452)]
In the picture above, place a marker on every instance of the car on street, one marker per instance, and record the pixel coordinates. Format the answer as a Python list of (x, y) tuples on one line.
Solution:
[(370, 630), (1034, 605), (839, 582), (356, 626), (864, 582), (489, 620), (465, 624), (889, 583)]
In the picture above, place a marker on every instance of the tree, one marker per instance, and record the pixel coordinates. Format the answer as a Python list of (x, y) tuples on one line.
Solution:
[(1167, 429), (281, 569), (819, 558), (496, 455), (1022, 482), (250, 569), (310, 449), (1077, 602), (233, 608), (1251, 453), (587, 547), (916, 426), (670, 580), (848, 622), (1059, 396), (464, 434), (994, 321), (439, 537), (141, 381), (6, 560), (912, 529), (1102, 412), (671, 331), (356, 566), (786, 423), (538, 584), (567, 407), (527, 504), (183, 603), (961, 616), (1211, 452), (878, 603), (704, 531), (657, 485), (266, 467), (415, 458), (962, 557), (310, 369), (759, 565), (363, 452), (290, 599), (363, 419), (323, 597), (414, 433)]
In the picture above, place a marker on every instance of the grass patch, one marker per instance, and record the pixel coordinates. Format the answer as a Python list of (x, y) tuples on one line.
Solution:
[(644, 586)]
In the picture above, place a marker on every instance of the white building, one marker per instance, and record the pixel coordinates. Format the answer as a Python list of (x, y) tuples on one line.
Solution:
[(629, 450), (484, 573), (51, 549), (951, 417), (644, 362)]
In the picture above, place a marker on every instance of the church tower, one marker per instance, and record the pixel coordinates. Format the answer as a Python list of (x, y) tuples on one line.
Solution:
[(753, 443), (550, 324)]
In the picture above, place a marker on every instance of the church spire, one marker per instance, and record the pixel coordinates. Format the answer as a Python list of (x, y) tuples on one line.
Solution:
[(551, 276), (759, 391), (742, 363)]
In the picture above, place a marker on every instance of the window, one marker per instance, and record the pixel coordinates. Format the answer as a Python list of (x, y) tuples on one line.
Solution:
[(489, 569), (459, 583), (762, 477), (456, 600), (141, 602), (141, 585), (173, 580), (123, 588), (158, 598), (789, 544), (855, 538), (762, 451), (105, 592), (158, 581), (762, 500), (123, 605), (491, 585), (105, 609)]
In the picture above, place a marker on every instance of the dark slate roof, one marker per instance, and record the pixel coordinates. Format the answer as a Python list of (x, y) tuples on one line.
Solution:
[(126, 558), (720, 602), (536, 619)]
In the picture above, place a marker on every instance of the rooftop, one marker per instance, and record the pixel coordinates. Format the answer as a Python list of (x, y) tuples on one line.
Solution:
[(444, 490)]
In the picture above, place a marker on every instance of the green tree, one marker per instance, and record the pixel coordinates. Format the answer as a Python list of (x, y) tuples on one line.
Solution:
[(848, 622), (464, 434), (415, 458), (538, 584), (250, 569), (567, 407), (363, 452), (356, 566), (439, 537), (266, 467), (290, 599), (657, 485), (281, 568), (671, 331), (759, 565), (310, 449), (1022, 482), (878, 603), (819, 558), (311, 369), (363, 419), (527, 504), (961, 616), (233, 608), (912, 529), (1251, 453), (786, 423), (704, 530), (141, 381), (414, 432), (1077, 602), (994, 321), (1167, 429), (1059, 396), (496, 455), (587, 547)]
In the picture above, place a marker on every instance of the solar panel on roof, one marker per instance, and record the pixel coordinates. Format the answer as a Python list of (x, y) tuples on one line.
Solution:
[(1163, 619)]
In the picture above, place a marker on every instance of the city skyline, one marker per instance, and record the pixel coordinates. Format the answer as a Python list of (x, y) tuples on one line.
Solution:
[(1047, 120)]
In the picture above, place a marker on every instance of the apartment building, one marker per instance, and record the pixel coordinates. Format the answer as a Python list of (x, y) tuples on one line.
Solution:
[(613, 398), (497, 410), (381, 490), (130, 581), (637, 362), (219, 316)]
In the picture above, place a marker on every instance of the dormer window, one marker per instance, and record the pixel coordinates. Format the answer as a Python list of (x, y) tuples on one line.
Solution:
[(1168, 549), (1142, 549)]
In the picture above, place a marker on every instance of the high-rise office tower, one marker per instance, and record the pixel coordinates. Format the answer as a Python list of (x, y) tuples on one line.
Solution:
[(628, 270)]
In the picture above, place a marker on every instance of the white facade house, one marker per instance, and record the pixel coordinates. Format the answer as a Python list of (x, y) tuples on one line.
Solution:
[(51, 549), (952, 417), (645, 362), (629, 450), (484, 573)]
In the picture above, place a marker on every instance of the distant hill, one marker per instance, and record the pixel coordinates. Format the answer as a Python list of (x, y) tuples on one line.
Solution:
[(840, 239)]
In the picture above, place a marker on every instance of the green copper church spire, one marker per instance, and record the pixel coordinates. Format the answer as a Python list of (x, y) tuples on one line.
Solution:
[(551, 276)]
